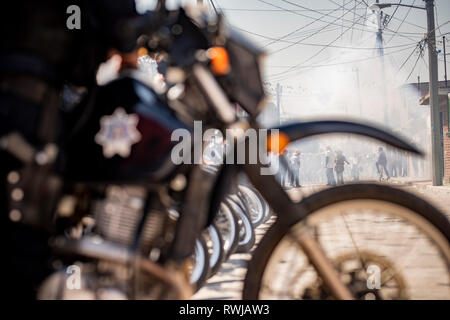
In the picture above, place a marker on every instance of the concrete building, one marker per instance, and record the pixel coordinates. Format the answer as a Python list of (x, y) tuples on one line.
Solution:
[(444, 106)]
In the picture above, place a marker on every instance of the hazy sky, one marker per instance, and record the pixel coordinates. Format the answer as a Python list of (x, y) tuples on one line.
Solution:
[(295, 34)]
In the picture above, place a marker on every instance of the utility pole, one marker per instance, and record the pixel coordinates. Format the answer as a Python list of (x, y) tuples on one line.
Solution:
[(358, 89), (437, 156), (381, 55), (279, 91), (445, 61), (436, 131), (380, 32)]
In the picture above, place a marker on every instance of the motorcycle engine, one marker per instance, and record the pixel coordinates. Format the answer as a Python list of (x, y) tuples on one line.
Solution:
[(109, 258), (118, 216)]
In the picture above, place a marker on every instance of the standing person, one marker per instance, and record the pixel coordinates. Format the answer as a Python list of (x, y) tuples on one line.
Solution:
[(339, 164), (393, 164), (281, 170), (329, 165), (295, 162), (356, 166), (284, 172), (290, 174), (382, 161)]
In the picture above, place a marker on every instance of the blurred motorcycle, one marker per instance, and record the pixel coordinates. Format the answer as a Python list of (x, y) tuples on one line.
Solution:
[(127, 219)]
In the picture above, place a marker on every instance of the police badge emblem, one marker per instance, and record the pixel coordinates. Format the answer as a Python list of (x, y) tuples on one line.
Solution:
[(118, 132)]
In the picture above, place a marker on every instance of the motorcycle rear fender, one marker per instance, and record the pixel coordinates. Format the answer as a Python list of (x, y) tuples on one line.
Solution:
[(300, 130)]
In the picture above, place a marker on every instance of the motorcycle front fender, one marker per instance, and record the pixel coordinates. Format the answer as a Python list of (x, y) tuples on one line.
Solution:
[(300, 130)]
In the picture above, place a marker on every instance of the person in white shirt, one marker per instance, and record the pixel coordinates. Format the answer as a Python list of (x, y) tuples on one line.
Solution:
[(295, 165)]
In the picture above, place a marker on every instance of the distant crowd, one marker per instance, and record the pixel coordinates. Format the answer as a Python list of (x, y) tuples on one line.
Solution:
[(333, 167)]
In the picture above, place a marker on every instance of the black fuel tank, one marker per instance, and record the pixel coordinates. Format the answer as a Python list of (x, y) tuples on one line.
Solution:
[(124, 135)]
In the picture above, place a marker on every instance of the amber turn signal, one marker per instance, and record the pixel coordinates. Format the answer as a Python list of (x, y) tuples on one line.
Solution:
[(220, 62), (277, 142), (142, 52)]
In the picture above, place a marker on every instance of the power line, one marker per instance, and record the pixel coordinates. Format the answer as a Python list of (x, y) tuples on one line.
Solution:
[(395, 11), (305, 33), (386, 28), (426, 64), (395, 32), (311, 57), (299, 41), (340, 6), (310, 31), (354, 11), (318, 44), (298, 65), (214, 6), (402, 34), (437, 19), (412, 70), (365, 19), (295, 31), (395, 18), (343, 63), (404, 62), (320, 19), (310, 35), (290, 33), (404, 18), (281, 10), (337, 18), (367, 5)]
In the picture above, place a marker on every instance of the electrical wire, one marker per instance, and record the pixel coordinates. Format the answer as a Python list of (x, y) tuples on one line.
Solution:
[(318, 44), (339, 6), (330, 45), (337, 64), (412, 70), (437, 18), (214, 6), (299, 41), (347, 62), (302, 27), (404, 18), (395, 11), (354, 11), (293, 32), (423, 59), (385, 29), (311, 57), (280, 10), (406, 60), (337, 18)]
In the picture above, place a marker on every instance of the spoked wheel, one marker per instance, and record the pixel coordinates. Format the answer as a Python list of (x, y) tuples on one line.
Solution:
[(227, 223), (214, 242), (200, 264), (246, 230), (254, 204), (267, 210), (384, 243)]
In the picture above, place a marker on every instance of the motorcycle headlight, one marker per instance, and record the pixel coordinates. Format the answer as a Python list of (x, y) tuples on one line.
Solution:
[(243, 84)]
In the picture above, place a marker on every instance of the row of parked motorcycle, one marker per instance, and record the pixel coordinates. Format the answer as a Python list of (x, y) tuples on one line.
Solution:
[(233, 231)]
